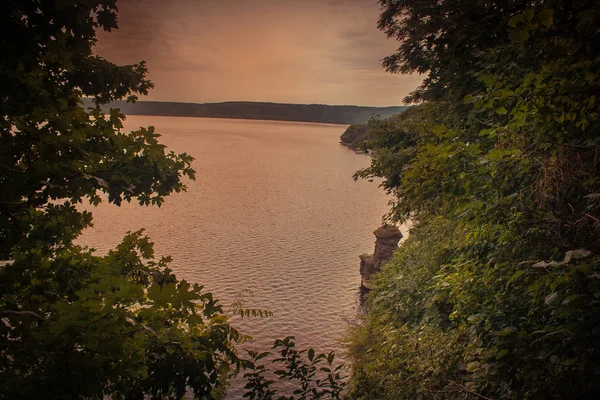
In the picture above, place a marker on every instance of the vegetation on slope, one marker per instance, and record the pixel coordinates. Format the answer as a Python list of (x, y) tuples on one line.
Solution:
[(496, 293), (258, 110), (355, 135), (358, 136)]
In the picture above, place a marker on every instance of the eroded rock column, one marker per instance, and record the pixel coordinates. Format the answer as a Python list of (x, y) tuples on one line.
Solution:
[(386, 241)]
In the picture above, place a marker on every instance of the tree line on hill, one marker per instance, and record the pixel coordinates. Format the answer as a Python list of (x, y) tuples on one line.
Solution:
[(321, 113)]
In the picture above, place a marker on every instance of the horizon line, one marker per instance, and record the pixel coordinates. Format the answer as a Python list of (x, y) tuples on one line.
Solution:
[(258, 102)]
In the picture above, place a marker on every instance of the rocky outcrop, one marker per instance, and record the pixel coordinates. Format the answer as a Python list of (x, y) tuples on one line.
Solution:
[(387, 239)]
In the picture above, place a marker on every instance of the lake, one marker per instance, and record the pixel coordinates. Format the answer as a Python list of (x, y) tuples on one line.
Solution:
[(274, 212)]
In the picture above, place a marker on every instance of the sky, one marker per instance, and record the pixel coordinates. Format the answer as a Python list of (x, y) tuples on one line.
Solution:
[(288, 51)]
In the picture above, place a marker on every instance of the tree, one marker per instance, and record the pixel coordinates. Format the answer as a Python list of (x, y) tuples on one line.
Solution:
[(301, 371), (495, 294), (74, 324)]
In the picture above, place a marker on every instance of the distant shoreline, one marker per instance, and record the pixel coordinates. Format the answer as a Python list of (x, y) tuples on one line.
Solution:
[(239, 119), (315, 113)]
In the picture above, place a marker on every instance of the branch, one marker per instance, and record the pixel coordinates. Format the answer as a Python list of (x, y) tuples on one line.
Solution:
[(494, 125), (466, 389), (12, 312)]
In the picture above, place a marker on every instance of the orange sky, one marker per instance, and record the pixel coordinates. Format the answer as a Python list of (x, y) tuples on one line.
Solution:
[(291, 51)]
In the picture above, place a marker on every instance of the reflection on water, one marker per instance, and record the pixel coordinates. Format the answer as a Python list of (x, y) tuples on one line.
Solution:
[(274, 210)]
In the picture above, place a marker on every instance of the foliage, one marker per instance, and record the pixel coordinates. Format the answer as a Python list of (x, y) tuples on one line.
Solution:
[(81, 326), (354, 134), (496, 294), (54, 153), (358, 136), (74, 324), (312, 381)]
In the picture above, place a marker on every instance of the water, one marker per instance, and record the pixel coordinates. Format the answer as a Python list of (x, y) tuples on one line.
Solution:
[(273, 211)]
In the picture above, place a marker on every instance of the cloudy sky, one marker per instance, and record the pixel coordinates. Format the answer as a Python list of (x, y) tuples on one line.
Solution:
[(292, 51)]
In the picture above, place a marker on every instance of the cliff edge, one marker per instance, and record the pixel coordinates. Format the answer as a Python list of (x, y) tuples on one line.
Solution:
[(387, 239)]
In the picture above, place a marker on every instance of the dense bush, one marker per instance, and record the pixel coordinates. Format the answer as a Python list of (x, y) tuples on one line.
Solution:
[(496, 294), (354, 134)]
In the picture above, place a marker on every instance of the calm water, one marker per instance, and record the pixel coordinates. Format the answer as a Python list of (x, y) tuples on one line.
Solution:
[(274, 210)]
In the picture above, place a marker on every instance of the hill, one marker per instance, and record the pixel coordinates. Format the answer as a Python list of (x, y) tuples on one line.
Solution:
[(255, 110), (357, 136)]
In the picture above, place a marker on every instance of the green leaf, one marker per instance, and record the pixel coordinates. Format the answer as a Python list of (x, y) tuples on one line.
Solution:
[(518, 35), (550, 298), (502, 353), (262, 355), (529, 13), (514, 277), (438, 129), (516, 20), (330, 357), (473, 366), (570, 299), (487, 79), (546, 17)]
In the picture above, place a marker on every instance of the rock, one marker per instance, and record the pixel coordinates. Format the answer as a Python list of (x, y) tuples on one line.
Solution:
[(367, 268), (387, 239)]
